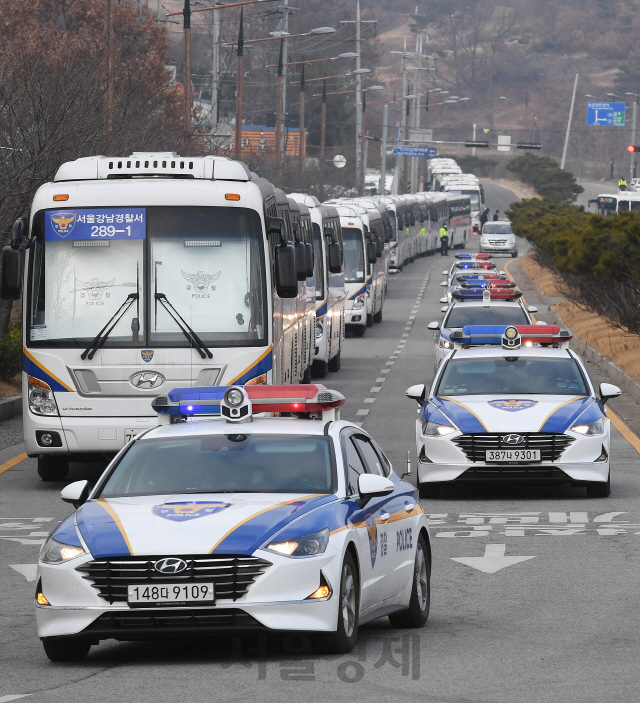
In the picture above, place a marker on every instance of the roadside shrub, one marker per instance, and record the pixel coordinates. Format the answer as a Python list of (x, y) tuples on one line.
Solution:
[(11, 350), (546, 176)]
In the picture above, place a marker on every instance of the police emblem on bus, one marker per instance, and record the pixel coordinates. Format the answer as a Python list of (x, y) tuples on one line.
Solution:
[(512, 406), (200, 282), (182, 512), (95, 288), (147, 355), (62, 223), (372, 530)]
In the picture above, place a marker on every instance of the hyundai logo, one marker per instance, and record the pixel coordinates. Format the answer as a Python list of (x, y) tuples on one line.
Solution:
[(513, 439), (170, 565), (146, 380)]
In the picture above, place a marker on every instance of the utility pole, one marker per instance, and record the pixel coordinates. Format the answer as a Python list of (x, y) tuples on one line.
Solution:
[(279, 111), (323, 122), (301, 141), (383, 150), (215, 69), (359, 112), (403, 130), (186, 13), (473, 150), (239, 82), (109, 42), (415, 162), (283, 26), (361, 175), (632, 166), (566, 138)]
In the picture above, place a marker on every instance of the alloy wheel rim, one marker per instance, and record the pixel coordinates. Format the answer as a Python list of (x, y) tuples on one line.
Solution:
[(348, 600), (421, 579)]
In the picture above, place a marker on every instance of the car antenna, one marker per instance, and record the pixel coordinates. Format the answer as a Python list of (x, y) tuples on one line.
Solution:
[(408, 471)]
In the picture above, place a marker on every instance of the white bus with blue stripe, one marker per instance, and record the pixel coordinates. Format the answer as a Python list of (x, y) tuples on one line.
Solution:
[(145, 273)]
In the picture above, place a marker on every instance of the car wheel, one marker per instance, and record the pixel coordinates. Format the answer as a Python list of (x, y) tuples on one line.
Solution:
[(429, 490), (52, 467), (63, 649), (378, 316), (319, 369), (600, 490), (343, 640), (418, 612), (358, 330), (335, 363)]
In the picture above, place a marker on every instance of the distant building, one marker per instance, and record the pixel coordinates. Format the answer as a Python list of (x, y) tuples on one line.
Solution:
[(258, 140)]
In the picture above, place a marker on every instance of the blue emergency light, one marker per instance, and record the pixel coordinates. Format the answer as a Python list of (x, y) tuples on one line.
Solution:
[(507, 294)]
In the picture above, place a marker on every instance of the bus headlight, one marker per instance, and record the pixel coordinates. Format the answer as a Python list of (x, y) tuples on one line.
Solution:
[(358, 303), (319, 328), (41, 400)]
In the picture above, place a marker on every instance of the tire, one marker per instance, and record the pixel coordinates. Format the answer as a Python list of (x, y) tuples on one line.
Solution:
[(600, 490), (358, 330), (418, 612), (343, 640), (378, 316), (53, 467), (369, 320), (319, 369), (306, 376), (335, 363), (61, 649), (429, 490)]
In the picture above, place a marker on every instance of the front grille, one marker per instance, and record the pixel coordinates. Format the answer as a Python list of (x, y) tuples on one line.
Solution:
[(497, 242), (550, 445), (513, 472), (188, 621), (232, 575)]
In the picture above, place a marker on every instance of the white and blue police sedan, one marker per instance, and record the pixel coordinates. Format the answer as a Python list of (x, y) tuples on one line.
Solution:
[(237, 523), (512, 404)]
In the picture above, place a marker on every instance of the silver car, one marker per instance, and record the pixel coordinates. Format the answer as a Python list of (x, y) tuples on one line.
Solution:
[(498, 238)]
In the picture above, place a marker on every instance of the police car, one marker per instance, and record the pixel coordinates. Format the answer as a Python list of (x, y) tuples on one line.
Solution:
[(519, 408), (495, 306), (237, 523), (478, 264)]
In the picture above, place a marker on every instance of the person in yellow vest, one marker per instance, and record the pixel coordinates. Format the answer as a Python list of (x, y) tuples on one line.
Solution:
[(622, 183), (422, 231), (444, 241)]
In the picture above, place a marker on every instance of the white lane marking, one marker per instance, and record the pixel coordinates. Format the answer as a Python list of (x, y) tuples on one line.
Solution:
[(31, 519), (6, 699), (369, 400), (405, 335), (607, 517), (380, 380), (362, 413), (376, 389), (27, 570), (23, 541), (390, 363), (385, 370), (494, 559), (571, 517)]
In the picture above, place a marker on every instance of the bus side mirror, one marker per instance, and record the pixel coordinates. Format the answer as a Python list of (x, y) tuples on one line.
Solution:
[(18, 231), (301, 261), (372, 257), (412, 219), (309, 259), (278, 228), (379, 246), (335, 260), (286, 274), (11, 273)]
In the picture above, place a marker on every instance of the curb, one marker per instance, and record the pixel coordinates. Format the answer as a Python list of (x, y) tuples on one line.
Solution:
[(10, 407)]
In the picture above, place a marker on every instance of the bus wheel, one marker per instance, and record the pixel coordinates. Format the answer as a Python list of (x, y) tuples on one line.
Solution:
[(378, 316), (52, 467), (369, 320), (358, 330), (319, 369), (335, 363), (306, 376)]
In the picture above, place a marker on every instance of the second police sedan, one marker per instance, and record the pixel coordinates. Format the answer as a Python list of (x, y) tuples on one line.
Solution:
[(241, 523), (512, 404)]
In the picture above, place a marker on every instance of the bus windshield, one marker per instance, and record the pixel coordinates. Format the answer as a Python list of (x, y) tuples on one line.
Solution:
[(353, 255), (207, 261)]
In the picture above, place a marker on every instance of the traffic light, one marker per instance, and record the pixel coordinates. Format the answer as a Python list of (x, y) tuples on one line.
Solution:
[(528, 145), (482, 145), (631, 149)]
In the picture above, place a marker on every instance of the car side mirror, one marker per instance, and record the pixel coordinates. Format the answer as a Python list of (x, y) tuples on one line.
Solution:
[(301, 261), (433, 325), (309, 258), (532, 308), (444, 283), (444, 300), (417, 393), (75, 493), (444, 273), (445, 308), (374, 486), (502, 273), (608, 391), (372, 257), (11, 272), (540, 322), (286, 274), (335, 260)]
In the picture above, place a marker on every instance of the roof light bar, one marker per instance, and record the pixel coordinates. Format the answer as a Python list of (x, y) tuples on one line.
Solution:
[(475, 265), (472, 257), (478, 284), (498, 293), (512, 336), (480, 276)]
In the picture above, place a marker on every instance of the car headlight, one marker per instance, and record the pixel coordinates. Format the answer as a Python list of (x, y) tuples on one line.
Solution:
[(307, 546), (435, 429), (590, 429), (484, 241), (444, 344), (41, 400), (54, 552), (358, 303)]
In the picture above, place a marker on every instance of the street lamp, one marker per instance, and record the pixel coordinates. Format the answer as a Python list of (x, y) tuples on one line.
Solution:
[(284, 35), (357, 72), (347, 55)]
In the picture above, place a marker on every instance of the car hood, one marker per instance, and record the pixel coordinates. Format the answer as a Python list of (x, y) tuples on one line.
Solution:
[(512, 413), (237, 523)]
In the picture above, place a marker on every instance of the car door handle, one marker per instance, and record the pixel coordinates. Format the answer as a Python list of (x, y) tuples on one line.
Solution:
[(384, 516), (409, 507)]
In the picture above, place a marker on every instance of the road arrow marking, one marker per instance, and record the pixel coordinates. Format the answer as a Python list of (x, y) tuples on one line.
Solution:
[(27, 570), (492, 561)]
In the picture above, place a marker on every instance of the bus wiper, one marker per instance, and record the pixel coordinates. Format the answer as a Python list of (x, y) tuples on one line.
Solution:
[(186, 330), (104, 333)]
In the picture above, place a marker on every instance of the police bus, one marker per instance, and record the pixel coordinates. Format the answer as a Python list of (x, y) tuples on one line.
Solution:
[(145, 273), (459, 219), (612, 203)]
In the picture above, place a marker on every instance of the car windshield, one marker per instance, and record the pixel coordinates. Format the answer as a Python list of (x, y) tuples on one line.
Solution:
[(353, 255), (235, 463), (463, 315), (531, 376), (497, 228)]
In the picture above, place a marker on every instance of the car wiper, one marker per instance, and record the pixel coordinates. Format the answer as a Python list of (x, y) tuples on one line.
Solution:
[(104, 333), (186, 330)]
